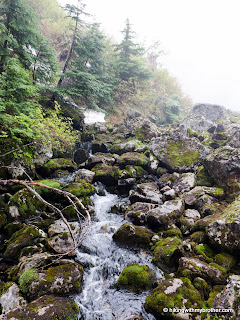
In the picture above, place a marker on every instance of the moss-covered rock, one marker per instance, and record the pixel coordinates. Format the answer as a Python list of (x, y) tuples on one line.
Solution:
[(133, 236), (225, 260), (10, 298), (134, 159), (24, 204), (80, 189), (61, 280), (56, 164), (203, 177), (163, 251), (205, 252), (146, 192), (106, 174), (199, 237), (170, 294), (24, 237), (202, 286), (47, 307), (136, 278)]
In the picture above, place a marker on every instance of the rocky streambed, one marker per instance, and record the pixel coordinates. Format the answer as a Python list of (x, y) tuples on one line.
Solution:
[(165, 210)]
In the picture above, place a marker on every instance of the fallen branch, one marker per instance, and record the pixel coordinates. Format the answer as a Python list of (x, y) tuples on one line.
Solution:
[(69, 196)]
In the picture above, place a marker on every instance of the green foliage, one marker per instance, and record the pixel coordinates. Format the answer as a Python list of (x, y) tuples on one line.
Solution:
[(27, 278)]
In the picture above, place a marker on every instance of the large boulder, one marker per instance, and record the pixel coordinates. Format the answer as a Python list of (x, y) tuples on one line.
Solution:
[(223, 165), (47, 307), (177, 293), (224, 232), (176, 151), (212, 112)]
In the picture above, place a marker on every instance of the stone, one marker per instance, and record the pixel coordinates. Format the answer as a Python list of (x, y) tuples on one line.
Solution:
[(59, 227), (80, 156), (56, 164), (10, 298), (146, 192), (104, 158), (184, 183), (133, 158), (84, 174), (187, 220), (173, 293), (47, 307), (224, 232), (32, 261), (211, 112), (109, 175), (194, 267), (137, 213), (164, 215), (133, 236)]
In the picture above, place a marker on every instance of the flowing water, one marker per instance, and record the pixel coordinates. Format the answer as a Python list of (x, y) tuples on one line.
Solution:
[(103, 261)]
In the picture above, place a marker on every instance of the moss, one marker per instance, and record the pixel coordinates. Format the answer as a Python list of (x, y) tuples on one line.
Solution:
[(47, 307), (164, 249), (107, 174), (218, 267), (57, 164), (20, 239), (3, 220), (172, 232), (27, 278), (198, 237), (202, 286), (140, 172), (80, 188), (133, 158), (185, 296), (136, 278), (225, 260), (203, 178), (4, 287), (213, 293), (192, 133), (205, 251), (179, 155)]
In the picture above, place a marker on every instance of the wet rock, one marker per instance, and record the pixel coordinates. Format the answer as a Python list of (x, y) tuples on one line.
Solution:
[(10, 298), (164, 215), (133, 236), (84, 174), (192, 196), (80, 156), (170, 294), (163, 252), (31, 261), (99, 146), (109, 175), (80, 188), (62, 280), (47, 307), (224, 232), (60, 227), (136, 278), (146, 192), (194, 267), (104, 158)]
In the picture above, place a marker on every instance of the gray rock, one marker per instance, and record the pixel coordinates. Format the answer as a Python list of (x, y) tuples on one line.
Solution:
[(189, 217), (184, 183), (211, 112), (84, 174), (11, 299), (80, 156), (146, 192), (59, 227)]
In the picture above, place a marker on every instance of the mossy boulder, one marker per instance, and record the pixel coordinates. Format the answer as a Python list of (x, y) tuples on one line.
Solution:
[(179, 153), (3, 220), (199, 237), (133, 236), (173, 293), (80, 189), (134, 159), (24, 237), (224, 232), (225, 260), (107, 174), (62, 280), (203, 178), (47, 307), (187, 220), (163, 251), (203, 287), (136, 278), (193, 268), (56, 164), (23, 205)]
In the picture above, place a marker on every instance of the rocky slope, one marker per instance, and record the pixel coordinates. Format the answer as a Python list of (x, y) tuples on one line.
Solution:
[(183, 182)]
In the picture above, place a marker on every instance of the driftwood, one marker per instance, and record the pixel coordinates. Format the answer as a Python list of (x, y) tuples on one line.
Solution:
[(71, 198)]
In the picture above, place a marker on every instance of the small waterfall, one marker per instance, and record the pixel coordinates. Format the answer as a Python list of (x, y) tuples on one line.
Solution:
[(103, 261), (92, 116)]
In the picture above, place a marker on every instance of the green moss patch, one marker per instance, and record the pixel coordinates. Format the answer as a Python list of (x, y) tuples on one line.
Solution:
[(136, 278), (164, 249)]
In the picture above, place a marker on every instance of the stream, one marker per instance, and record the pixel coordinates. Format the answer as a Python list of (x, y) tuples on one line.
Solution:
[(103, 262)]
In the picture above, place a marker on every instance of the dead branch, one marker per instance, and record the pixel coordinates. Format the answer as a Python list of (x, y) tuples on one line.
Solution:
[(69, 196)]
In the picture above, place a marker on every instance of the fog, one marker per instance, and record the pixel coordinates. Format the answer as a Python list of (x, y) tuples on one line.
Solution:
[(200, 38)]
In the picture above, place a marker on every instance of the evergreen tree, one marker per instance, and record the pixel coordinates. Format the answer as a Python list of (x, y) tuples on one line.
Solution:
[(130, 64)]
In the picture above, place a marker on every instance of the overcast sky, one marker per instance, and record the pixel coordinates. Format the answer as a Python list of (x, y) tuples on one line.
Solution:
[(200, 37)]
